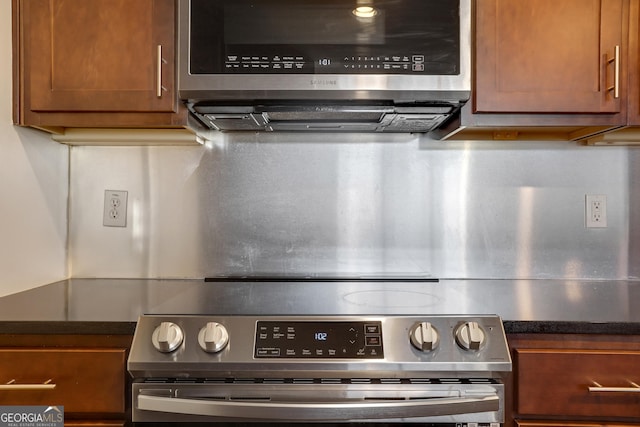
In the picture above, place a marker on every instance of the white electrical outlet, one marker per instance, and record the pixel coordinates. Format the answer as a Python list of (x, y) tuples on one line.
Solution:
[(115, 208), (595, 212)]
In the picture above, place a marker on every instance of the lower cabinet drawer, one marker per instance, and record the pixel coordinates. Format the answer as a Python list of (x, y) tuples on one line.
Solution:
[(82, 380), (520, 423), (580, 383), (93, 423)]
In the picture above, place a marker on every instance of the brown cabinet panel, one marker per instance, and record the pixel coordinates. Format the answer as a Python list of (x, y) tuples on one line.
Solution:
[(520, 423), (75, 423), (556, 382), (548, 56), (87, 381), (634, 64), (99, 55)]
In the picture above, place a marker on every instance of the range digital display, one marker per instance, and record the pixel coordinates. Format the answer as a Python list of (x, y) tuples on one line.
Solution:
[(339, 340)]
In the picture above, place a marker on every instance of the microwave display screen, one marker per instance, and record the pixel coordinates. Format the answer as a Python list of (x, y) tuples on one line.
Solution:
[(411, 37)]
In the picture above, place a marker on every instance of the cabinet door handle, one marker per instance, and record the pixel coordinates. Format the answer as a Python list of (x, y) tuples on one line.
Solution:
[(597, 388), (616, 76), (11, 385), (159, 73)]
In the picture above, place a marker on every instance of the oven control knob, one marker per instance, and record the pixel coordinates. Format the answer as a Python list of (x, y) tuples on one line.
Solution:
[(213, 337), (470, 336), (167, 337), (424, 336)]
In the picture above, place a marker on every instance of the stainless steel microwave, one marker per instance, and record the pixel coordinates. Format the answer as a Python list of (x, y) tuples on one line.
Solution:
[(323, 55)]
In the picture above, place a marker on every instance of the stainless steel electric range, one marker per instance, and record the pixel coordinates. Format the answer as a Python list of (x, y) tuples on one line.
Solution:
[(323, 369)]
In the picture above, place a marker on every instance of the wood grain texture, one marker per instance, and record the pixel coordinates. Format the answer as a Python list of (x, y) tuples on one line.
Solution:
[(94, 64), (547, 56), (87, 380)]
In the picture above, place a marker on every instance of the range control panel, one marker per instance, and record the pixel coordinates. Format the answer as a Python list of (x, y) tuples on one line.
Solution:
[(319, 339), (260, 346)]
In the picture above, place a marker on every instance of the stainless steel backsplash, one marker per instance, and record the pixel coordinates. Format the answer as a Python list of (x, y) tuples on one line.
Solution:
[(356, 205)]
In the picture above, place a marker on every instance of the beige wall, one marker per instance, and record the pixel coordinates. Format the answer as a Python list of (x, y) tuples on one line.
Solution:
[(33, 192)]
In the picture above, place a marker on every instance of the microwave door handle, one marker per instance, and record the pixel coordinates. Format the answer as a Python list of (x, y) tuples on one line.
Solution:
[(320, 411)]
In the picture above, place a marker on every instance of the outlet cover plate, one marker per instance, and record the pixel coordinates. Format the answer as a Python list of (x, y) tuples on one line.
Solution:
[(595, 211), (115, 208)]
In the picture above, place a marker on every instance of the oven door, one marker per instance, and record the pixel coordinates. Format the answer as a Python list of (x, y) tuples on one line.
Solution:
[(319, 401)]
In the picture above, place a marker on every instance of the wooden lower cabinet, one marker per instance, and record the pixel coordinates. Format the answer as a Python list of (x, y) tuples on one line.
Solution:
[(579, 383), (85, 375), (575, 381), (569, 424), (94, 423)]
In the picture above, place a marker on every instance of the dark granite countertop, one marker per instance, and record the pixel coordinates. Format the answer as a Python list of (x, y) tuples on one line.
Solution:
[(112, 306)]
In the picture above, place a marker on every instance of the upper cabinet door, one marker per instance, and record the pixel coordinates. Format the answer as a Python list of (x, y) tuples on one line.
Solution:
[(550, 56), (634, 63), (100, 55)]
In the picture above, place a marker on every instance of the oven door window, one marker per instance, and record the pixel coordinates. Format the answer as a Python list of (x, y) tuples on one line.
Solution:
[(414, 37)]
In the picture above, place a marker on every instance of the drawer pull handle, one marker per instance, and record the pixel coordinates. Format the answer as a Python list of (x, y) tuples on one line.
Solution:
[(11, 385), (160, 62), (597, 388), (616, 70)]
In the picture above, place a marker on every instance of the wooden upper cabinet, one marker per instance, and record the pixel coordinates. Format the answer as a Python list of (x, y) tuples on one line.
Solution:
[(98, 63), (550, 56), (634, 63), (100, 55)]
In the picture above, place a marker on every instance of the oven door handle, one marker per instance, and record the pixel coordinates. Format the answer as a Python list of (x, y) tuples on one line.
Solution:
[(320, 411)]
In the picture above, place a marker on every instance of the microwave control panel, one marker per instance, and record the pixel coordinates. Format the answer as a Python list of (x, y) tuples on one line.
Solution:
[(284, 64)]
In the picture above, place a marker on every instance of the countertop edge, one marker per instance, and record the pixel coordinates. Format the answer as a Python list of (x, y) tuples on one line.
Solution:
[(128, 327), (571, 327), (67, 328)]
